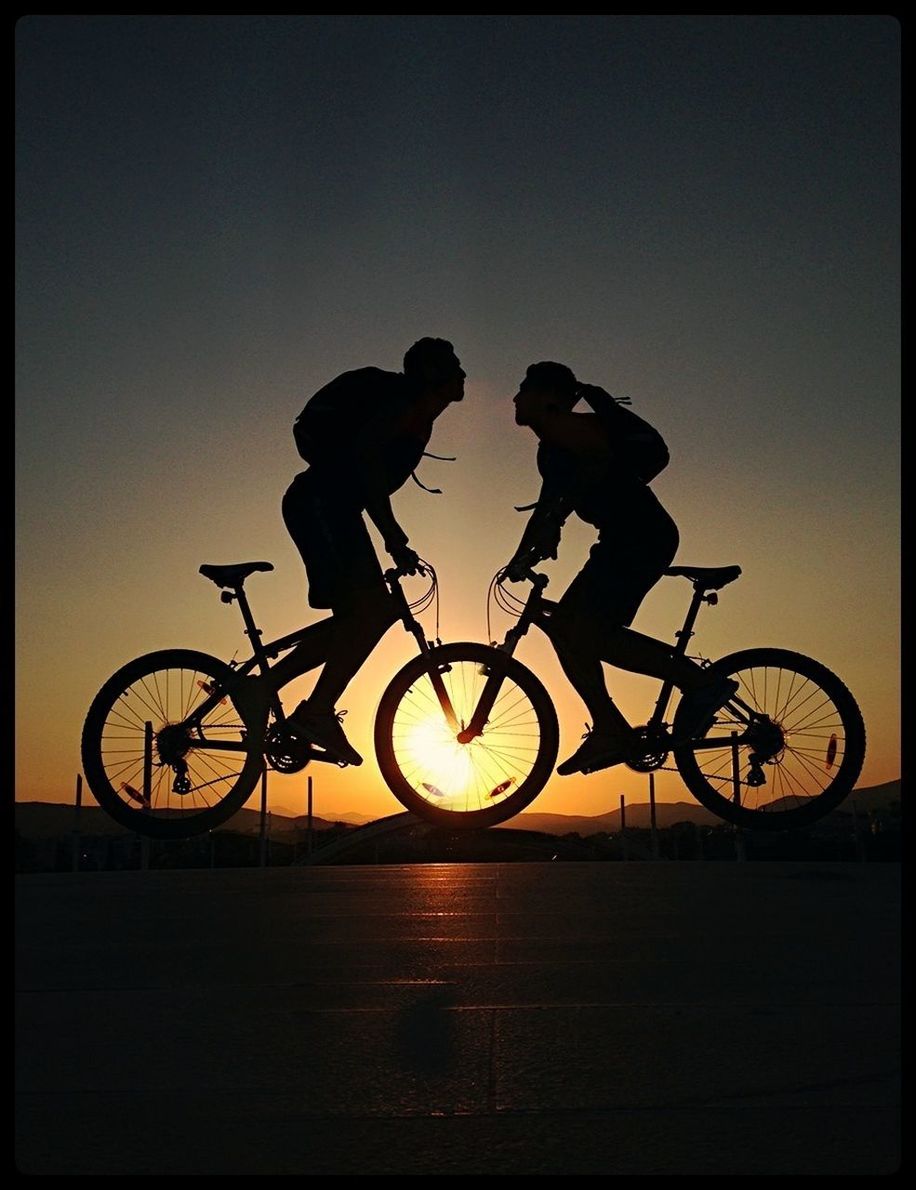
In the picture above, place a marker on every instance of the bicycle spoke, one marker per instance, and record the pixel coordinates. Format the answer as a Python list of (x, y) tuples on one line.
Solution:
[(437, 767), (797, 756), (192, 771)]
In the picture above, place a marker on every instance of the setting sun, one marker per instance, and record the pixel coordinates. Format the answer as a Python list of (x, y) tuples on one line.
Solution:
[(464, 776)]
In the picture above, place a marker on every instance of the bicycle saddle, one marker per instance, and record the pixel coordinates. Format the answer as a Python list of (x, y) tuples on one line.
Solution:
[(235, 575), (707, 578)]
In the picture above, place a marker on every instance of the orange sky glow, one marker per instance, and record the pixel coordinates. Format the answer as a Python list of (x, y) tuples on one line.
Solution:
[(700, 213)]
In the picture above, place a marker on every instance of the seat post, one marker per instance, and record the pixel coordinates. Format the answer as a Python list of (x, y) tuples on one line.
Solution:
[(252, 631), (684, 635)]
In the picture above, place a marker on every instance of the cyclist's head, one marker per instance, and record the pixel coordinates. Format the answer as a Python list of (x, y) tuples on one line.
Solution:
[(435, 366), (547, 385)]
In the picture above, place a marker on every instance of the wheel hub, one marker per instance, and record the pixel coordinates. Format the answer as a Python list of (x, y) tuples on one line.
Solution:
[(172, 743), (766, 738)]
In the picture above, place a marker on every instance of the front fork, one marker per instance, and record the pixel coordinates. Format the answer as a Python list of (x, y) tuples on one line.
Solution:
[(414, 627), (488, 697), (496, 672)]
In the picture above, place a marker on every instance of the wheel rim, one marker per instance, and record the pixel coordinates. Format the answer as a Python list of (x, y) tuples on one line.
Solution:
[(188, 775), (464, 778), (796, 747)]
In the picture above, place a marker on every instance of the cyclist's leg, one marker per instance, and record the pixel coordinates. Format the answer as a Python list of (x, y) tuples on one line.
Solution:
[(573, 627), (638, 653), (361, 618), (594, 617), (590, 624), (344, 576), (311, 652), (360, 621), (706, 691), (582, 665), (595, 614)]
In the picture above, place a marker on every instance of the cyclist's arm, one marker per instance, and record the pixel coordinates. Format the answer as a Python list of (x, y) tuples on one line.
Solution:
[(581, 434), (369, 479), (545, 525), (378, 507)]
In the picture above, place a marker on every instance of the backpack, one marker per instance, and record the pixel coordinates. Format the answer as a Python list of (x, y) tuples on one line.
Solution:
[(331, 418), (342, 408), (638, 445)]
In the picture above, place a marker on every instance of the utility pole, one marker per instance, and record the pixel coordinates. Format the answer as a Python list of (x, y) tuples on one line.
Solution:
[(75, 839)]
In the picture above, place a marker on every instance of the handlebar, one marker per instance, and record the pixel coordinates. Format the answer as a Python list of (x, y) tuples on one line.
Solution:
[(409, 608), (538, 580), (396, 573)]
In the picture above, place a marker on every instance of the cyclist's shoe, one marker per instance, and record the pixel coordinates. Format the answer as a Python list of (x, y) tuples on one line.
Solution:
[(700, 706), (324, 729), (599, 750)]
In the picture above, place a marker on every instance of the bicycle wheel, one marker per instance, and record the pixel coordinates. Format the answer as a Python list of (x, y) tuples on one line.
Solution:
[(479, 783), (204, 754), (785, 751)]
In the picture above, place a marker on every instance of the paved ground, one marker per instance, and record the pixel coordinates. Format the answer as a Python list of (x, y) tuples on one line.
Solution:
[(556, 1018)]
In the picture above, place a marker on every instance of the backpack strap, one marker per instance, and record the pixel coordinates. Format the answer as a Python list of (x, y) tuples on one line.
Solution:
[(428, 454)]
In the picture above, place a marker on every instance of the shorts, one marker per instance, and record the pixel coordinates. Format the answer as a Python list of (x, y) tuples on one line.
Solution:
[(340, 559), (621, 570)]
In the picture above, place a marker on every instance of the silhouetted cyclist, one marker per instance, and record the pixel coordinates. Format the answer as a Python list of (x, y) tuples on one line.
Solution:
[(363, 435), (599, 465)]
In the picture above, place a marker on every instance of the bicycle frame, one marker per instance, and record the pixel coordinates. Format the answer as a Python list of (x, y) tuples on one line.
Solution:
[(532, 612), (654, 728), (803, 721), (263, 653)]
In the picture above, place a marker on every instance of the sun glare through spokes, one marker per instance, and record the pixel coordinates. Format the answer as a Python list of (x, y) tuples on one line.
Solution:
[(476, 775), (444, 766)]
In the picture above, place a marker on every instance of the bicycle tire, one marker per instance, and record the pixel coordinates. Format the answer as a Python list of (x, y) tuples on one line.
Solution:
[(461, 785), (823, 736), (165, 689)]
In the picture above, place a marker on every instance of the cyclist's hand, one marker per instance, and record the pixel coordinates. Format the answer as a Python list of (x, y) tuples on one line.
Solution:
[(406, 559), (516, 571), (587, 390), (547, 542)]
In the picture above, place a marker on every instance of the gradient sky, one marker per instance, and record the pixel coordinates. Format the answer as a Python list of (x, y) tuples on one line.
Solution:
[(216, 215)]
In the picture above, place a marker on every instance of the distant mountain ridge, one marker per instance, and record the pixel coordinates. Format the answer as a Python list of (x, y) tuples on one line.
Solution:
[(38, 820)]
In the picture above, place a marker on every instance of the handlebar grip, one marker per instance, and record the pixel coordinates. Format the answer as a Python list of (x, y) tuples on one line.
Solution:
[(397, 572), (539, 580)]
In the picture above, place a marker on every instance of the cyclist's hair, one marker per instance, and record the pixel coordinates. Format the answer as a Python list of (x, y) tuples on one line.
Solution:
[(431, 360), (556, 377)]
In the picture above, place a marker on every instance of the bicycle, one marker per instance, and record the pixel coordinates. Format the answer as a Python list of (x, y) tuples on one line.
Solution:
[(175, 742), (465, 735)]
